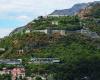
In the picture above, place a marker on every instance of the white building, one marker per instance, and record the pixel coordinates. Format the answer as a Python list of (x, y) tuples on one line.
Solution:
[(45, 60), (43, 31), (5, 71), (27, 31), (54, 22), (50, 31), (11, 61), (56, 15), (2, 49)]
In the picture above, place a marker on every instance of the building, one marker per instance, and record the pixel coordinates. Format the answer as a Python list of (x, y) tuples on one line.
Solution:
[(2, 49), (18, 73), (5, 71), (57, 15), (20, 51), (42, 77), (42, 31), (62, 32), (11, 61), (45, 60), (54, 22), (29, 78), (27, 31), (51, 31)]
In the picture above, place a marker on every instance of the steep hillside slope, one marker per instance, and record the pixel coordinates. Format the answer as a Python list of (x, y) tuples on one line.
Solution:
[(75, 9), (92, 11)]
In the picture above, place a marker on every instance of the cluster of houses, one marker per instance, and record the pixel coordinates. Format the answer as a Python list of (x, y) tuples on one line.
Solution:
[(19, 71), (16, 73)]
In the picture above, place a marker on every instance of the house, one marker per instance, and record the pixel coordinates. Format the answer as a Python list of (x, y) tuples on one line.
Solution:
[(62, 32), (20, 51), (54, 22), (42, 77), (11, 61), (53, 15), (2, 49), (5, 71), (27, 31), (45, 60), (42, 31), (57, 15), (18, 72), (14, 61), (29, 78)]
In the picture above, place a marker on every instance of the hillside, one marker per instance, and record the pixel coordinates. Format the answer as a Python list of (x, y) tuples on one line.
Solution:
[(92, 11), (72, 11), (73, 39), (91, 17)]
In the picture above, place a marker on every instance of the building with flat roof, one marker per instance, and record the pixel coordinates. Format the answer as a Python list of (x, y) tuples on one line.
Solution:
[(45, 60), (11, 61)]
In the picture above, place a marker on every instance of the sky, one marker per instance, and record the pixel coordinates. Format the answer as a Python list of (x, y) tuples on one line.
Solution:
[(17, 13)]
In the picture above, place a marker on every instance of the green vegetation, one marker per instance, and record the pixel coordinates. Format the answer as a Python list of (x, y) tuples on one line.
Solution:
[(67, 22), (5, 77)]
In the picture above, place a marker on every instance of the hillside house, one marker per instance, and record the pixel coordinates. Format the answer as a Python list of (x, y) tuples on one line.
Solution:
[(14, 61), (21, 51), (55, 23), (42, 77), (10, 61), (62, 32), (5, 71), (2, 49), (42, 31), (18, 73), (45, 60), (27, 31), (56, 15)]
